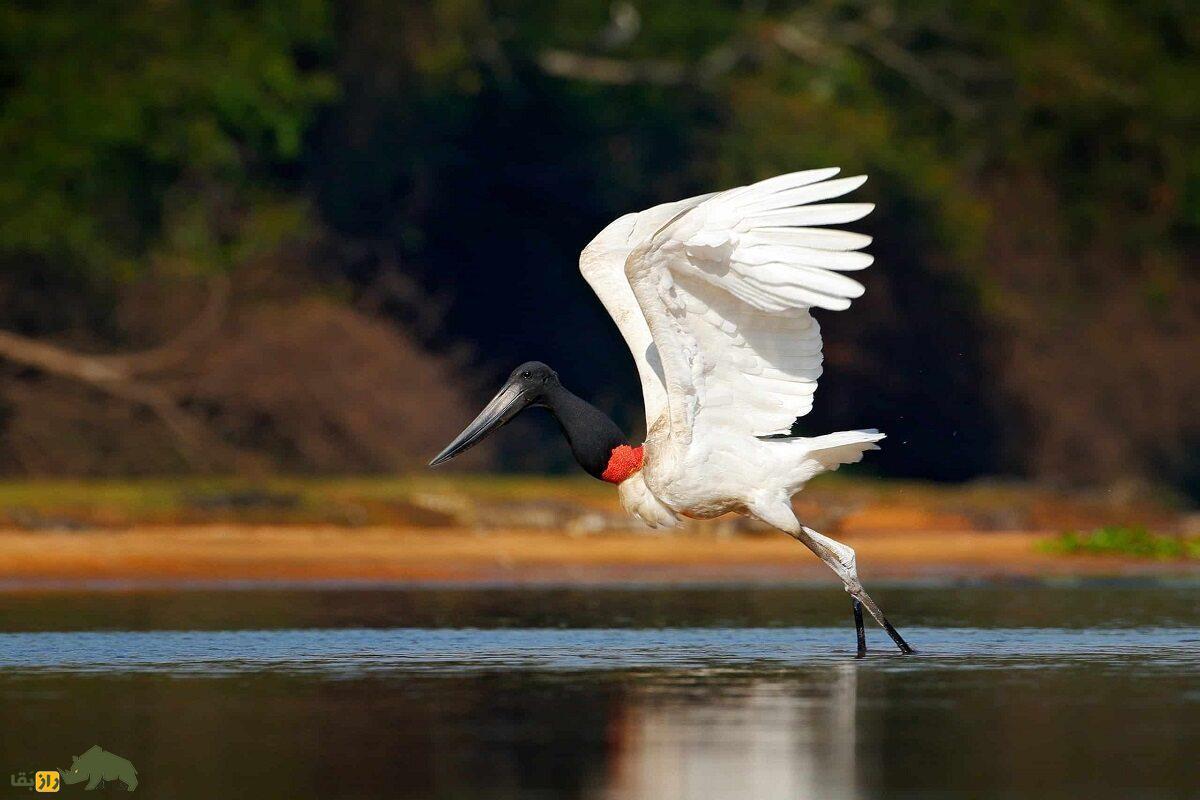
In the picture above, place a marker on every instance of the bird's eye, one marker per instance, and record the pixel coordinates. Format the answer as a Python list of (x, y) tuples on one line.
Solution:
[(526, 374)]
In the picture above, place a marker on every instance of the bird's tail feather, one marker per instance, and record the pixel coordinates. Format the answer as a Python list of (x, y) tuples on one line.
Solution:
[(810, 456)]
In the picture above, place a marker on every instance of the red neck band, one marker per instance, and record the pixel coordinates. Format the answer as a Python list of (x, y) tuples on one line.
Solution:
[(622, 462)]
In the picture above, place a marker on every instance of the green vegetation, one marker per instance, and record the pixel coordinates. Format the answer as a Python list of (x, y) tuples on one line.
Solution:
[(447, 499), (421, 500), (149, 134), (441, 164), (1132, 541)]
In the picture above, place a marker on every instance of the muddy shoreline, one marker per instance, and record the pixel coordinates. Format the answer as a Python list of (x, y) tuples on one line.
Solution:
[(248, 554)]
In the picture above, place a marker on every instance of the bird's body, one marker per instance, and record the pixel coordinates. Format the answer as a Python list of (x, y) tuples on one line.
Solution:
[(713, 296), (702, 482)]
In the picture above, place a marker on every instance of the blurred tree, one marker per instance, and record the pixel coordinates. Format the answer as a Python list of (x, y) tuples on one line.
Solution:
[(145, 144), (144, 136), (153, 132), (1038, 197), (1034, 310)]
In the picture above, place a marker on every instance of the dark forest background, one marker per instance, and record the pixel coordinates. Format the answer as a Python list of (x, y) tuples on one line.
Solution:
[(308, 236)]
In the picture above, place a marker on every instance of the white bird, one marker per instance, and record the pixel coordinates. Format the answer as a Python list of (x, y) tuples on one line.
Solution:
[(713, 296)]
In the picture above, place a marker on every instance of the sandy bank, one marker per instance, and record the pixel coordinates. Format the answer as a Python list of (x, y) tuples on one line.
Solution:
[(409, 555)]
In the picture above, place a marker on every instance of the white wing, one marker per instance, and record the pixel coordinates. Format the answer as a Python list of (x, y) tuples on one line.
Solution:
[(725, 287), (602, 263)]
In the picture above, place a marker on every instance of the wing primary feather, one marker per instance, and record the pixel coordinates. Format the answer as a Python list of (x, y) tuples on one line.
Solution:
[(803, 195), (756, 252), (816, 238), (792, 276), (824, 214), (793, 179)]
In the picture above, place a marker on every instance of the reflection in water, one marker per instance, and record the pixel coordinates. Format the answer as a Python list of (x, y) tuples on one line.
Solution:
[(762, 741), (1051, 692)]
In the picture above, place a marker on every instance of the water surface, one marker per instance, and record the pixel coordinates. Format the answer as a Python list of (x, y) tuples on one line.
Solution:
[(1089, 690)]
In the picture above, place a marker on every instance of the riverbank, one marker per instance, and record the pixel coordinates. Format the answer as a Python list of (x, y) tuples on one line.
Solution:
[(530, 530), (321, 554)]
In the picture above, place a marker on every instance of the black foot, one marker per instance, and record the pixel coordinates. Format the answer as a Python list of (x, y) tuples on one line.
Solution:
[(898, 639), (858, 628)]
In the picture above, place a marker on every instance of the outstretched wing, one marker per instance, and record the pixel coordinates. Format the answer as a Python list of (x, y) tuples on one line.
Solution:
[(725, 288), (602, 263)]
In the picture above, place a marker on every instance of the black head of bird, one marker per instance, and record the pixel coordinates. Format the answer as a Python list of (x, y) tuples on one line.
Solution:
[(591, 435)]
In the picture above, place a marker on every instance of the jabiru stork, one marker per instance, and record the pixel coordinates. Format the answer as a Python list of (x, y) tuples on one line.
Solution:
[(713, 296)]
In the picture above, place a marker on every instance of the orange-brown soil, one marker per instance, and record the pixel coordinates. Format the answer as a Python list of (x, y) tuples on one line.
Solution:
[(242, 552)]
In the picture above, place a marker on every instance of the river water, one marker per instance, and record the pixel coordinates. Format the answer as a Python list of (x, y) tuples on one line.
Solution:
[(1088, 690)]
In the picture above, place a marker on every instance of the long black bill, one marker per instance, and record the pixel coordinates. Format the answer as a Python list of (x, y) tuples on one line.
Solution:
[(507, 403)]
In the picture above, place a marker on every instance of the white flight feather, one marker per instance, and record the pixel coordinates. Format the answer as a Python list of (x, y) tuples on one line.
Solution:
[(725, 287)]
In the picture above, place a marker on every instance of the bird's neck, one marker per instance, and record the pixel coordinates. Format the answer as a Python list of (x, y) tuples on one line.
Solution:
[(595, 440)]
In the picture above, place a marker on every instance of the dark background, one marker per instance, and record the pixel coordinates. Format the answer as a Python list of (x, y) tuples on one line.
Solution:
[(311, 237)]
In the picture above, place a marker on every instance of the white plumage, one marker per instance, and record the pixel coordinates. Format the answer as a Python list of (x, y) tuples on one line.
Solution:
[(713, 296)]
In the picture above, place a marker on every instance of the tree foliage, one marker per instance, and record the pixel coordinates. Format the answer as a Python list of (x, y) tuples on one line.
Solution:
[(133, 131), (1035, 305)]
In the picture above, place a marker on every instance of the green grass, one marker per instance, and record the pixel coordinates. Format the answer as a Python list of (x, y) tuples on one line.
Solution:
[(445, 499), (1132, 541), (352, 500)]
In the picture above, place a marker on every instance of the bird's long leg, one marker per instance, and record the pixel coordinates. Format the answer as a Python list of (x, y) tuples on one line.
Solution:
[(839, 557), (858, 627)]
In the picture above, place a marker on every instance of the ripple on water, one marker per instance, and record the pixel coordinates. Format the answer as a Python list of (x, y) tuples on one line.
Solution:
[(447, 650)]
